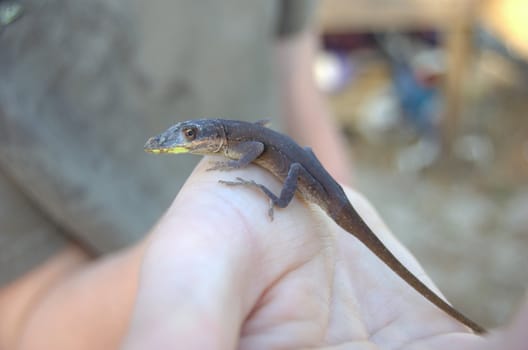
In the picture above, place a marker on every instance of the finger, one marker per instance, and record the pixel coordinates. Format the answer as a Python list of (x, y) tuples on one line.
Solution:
[(191, 282), (188, 297), (203, 271)]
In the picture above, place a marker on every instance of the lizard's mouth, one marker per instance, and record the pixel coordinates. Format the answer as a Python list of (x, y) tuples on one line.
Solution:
[(156, 145)]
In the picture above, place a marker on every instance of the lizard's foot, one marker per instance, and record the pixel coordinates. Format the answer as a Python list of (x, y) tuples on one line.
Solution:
[(219, 165), (240, 181), (243, 182)]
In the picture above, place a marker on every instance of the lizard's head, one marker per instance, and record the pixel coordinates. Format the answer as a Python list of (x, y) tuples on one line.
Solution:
[(205, 136)]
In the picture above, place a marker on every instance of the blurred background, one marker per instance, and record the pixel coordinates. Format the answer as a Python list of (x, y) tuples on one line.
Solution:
[(433, 97)]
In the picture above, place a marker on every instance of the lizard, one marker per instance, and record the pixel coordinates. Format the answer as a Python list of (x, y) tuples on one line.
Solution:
[(242, 143)]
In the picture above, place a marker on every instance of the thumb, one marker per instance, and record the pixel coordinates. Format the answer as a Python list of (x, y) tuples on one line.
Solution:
[(195, 285)]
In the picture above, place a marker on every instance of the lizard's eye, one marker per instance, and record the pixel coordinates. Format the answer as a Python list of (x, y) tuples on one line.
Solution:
[(189, 133)]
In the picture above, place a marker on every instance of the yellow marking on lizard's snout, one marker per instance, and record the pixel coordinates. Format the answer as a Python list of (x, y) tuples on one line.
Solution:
[(176, 150), (172, 150)]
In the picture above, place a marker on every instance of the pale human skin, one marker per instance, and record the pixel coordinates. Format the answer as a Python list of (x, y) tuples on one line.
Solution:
[(216, 273), (239, 280)]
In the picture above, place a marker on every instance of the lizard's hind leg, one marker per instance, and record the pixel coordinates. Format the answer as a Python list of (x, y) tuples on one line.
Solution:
[(287, 192)]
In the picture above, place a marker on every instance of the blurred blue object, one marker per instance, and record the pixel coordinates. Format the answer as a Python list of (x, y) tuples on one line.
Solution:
[(420, 102), (418, 96)]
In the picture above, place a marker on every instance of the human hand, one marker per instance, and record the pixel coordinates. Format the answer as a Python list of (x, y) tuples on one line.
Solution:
[(218, 274)]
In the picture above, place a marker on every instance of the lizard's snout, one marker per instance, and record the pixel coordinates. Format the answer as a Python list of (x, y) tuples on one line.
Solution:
[(162, 144), (152, 144)]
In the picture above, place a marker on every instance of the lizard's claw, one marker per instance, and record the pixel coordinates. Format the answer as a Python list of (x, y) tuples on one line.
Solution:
[(270, 209), (240, 181), (219, 165)]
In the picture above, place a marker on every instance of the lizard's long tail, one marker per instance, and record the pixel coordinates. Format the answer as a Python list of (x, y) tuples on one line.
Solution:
[(354, 224)]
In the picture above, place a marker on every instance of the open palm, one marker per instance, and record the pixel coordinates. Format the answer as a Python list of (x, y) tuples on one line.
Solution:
[(220, 275)]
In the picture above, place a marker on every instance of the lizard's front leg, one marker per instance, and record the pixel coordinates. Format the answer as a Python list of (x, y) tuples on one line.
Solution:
[(242, 153)]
